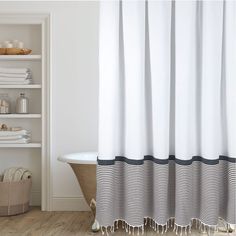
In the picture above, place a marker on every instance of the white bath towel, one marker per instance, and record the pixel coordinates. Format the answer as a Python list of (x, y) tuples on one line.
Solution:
[(15, 141), (28, 81), (13, 75), (14, 70), (15, 79), (13, 133), (13, 137)]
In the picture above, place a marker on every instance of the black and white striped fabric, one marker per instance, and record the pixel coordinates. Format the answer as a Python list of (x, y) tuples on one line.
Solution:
[(167, 117), (162, 191)]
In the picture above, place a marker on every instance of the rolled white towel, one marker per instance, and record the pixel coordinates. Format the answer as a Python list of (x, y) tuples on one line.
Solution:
[(26, 175), (8, 174), (16, 174)]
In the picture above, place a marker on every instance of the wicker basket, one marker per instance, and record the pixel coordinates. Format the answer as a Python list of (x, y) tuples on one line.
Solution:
[(15, 51), (14, 197)]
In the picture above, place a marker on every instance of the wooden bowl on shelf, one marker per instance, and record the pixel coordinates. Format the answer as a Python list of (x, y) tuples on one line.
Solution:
[(15, 51)]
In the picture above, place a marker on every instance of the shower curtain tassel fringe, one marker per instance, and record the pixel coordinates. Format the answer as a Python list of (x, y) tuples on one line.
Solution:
[(163, 228), (107, 231), (174, 227), (177, 229), (145, 221)]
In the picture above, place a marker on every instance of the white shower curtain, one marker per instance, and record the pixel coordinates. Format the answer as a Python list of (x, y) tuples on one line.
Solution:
[(167, 122)]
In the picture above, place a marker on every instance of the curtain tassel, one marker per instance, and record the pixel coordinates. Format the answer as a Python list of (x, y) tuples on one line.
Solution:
[(174, 227), (123, 226), (102, 231), (142, 229), (177, 229)]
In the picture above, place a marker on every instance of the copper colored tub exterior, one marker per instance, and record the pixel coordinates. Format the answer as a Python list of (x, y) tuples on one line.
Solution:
[(86, 176), (84, 166)]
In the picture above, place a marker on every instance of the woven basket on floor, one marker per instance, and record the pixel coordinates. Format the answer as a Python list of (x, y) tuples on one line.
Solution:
[(14, 197)]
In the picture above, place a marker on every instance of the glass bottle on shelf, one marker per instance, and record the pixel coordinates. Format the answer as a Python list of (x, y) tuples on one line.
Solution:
[(22, 104), (4, 103)]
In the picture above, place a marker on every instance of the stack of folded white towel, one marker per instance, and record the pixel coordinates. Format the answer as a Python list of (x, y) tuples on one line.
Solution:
[(15, 76), (15, 174), (15, 137)]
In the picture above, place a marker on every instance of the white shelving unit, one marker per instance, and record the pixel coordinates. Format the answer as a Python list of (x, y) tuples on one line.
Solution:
[(15, 86), (20, 57), (27, 145), (34, 31), (20, 116)]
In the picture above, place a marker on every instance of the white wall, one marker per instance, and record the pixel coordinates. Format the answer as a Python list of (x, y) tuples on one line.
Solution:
[(74, 89)]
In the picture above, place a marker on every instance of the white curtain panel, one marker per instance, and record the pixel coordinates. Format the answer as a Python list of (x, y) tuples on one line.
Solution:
[(167, 114)]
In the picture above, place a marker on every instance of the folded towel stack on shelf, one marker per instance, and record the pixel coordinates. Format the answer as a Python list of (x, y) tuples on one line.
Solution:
[(15, 137), (15, 76)]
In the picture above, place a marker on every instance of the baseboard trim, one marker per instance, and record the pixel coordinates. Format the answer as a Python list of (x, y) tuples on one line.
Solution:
[(69, 204)]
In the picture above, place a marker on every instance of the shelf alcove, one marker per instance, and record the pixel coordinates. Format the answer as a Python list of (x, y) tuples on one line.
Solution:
[(34, 31)]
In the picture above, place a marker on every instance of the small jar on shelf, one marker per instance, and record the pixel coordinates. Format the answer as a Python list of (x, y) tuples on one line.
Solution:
[(4, 103)]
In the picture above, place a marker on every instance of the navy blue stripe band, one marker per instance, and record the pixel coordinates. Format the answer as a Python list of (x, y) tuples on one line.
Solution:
[(166, 161)]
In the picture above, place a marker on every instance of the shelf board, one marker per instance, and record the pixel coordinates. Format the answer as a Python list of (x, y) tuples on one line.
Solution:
[(20, 57), (26, 145), (13, 116), (21, 86)]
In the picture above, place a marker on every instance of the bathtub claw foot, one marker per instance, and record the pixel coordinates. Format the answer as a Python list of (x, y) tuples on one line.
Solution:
[(92, 206), (95, 226)]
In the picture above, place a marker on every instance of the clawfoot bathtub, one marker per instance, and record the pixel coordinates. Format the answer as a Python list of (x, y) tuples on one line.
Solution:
[(84, 167)]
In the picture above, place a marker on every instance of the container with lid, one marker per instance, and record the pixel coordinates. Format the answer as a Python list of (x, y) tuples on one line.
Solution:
[(22, 104)]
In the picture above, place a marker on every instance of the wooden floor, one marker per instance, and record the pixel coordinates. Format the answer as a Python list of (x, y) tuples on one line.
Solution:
[(37, 223)]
